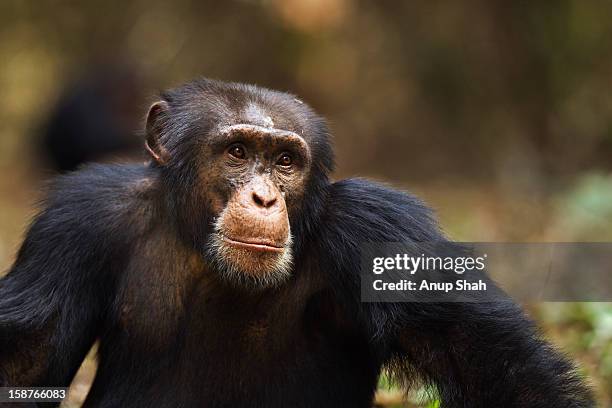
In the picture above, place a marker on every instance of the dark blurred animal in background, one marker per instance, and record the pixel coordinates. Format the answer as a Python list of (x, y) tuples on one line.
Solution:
[(225, 273), (96, 117)]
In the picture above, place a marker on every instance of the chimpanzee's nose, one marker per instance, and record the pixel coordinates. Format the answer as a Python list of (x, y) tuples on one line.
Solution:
[(264, 199)]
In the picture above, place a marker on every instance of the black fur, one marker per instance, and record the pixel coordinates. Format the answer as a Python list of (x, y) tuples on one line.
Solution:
[(110, 258)]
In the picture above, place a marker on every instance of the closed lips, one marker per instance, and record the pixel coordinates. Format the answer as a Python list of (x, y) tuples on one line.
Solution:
[(256, 244)]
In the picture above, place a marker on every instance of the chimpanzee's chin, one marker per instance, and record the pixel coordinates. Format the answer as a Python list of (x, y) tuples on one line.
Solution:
[(250, 265)]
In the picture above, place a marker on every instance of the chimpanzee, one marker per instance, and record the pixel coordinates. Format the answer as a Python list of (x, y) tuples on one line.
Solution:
[(94, 118), (225, 273)]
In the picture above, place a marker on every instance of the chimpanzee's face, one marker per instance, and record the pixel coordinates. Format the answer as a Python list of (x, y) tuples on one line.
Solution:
[(256, 177), (242, 166)]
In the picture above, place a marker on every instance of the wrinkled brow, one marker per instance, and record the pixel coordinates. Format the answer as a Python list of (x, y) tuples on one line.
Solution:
[(256, 130)]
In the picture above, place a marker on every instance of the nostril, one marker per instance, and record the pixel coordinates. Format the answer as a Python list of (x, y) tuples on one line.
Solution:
[(262, 202), (258, 200)]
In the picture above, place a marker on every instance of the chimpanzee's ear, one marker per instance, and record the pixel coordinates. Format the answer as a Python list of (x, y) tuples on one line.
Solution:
[(155, 120)]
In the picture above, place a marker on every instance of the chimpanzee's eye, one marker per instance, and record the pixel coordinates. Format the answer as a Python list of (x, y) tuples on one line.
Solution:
[(285, 160), (237, 151)]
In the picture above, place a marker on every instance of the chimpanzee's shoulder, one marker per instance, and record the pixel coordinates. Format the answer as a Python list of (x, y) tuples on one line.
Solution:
[(100, 178), (103, 197), (360, 210)]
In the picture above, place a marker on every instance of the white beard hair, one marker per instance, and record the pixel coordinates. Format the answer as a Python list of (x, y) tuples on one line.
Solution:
[(218, 252)]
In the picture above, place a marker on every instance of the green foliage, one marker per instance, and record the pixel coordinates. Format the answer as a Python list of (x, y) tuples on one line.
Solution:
[(584, 213)]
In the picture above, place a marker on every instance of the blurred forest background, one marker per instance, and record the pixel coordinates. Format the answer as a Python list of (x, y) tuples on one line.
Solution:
[(498, 114)]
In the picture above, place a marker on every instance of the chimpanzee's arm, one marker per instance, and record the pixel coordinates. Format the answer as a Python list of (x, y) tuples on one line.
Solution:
[(476, 354), (53, 300)]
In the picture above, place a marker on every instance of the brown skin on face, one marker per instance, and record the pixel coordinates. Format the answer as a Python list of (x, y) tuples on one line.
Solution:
[(256, 218), (267, 169), (253, 229)]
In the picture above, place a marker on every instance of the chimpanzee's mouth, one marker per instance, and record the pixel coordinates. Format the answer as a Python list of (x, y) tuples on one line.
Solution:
[(254, 244)]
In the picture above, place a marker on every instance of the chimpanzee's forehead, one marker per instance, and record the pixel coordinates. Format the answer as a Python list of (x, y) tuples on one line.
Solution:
[(265, 115), (275, 111), (255, 114), (257, 119)]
